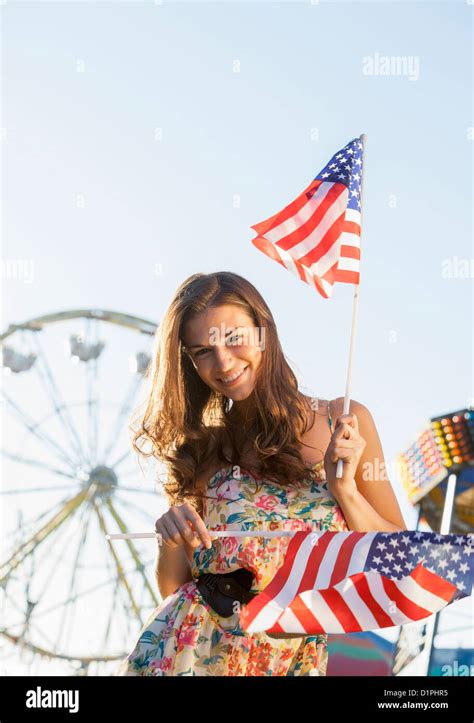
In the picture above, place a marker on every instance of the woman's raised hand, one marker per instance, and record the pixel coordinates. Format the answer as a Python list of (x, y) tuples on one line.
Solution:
[(347, 444)]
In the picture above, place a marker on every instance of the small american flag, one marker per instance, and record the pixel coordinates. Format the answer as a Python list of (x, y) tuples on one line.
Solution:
[(347, 582), (317, 236)]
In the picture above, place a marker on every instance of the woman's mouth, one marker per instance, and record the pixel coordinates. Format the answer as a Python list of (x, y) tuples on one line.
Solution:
[(232, 379)]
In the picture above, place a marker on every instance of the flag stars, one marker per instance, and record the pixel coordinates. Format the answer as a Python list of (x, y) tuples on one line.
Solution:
[(340, 170), (397, 556)]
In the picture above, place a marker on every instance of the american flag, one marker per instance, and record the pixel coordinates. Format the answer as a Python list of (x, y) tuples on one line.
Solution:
[(347, 582), (317, 236)]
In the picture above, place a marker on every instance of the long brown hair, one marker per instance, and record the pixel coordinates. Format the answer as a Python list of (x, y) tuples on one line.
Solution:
[(186, 423)]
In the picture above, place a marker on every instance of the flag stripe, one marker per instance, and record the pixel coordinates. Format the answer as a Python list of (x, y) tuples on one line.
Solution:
[(359, 555), (311, 233), (288, 233), (350, 277), (311, 569), (369, 612), (344, 558), (292, 209), (341, 609), (300, 616), (311, 604), (329, 558), (351, 254), (433, 585)]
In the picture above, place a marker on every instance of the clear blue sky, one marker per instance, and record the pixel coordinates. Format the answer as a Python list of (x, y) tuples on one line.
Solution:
[(136, 155)]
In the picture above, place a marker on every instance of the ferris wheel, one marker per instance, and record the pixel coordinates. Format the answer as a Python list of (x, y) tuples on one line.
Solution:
[(70, 383)]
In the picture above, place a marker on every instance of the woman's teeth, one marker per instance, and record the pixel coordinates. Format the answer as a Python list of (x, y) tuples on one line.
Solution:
[(230, 380)]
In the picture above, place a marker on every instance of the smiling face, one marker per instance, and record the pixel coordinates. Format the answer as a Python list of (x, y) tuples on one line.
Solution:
[(226, 349)]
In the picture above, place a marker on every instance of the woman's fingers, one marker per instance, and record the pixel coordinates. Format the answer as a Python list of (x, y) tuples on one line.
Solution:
[(168, 532), (184, 529), (350, 419), (200, 528), (343, 431), (345, 445), (342, 443), (343, 453), (182, 525)]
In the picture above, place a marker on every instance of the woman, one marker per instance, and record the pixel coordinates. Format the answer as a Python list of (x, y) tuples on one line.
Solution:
[(244, 450)]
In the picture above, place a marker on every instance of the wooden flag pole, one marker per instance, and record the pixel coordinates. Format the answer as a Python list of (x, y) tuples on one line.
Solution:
[(355, 308)]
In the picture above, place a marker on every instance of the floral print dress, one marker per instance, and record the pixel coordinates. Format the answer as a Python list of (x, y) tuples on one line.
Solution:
[(184, 636)]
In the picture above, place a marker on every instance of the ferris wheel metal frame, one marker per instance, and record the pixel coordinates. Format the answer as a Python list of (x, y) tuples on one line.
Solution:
[(92, 476)]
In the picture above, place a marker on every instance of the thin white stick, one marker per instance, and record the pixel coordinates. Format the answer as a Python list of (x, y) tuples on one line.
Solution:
[(355, 307), (216, 533)]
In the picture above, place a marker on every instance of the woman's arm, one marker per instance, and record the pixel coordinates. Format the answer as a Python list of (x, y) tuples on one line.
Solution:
[(370, 505), (173, 568)]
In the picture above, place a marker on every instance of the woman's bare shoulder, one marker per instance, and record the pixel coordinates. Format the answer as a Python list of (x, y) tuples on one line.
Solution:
[(314, 405), (316, 438)]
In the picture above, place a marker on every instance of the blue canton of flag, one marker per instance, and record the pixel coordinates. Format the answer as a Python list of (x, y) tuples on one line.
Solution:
[(395, 556), (346, 167)]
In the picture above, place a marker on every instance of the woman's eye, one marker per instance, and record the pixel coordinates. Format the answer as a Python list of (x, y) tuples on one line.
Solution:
[(231, 339)]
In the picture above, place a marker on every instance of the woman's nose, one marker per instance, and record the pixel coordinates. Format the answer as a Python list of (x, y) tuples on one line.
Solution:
[(224, 358)]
